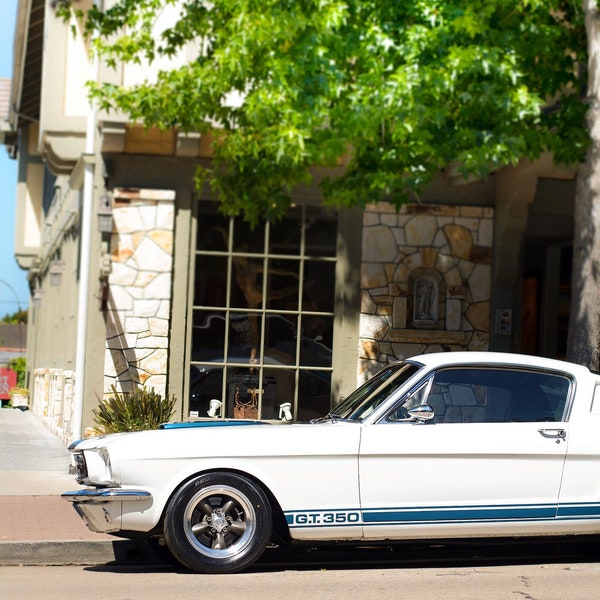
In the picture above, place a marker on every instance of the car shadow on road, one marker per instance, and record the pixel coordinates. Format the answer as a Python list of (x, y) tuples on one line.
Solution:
[(405, 555)]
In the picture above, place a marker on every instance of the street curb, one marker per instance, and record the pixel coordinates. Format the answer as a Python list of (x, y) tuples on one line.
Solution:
[(125, 552)]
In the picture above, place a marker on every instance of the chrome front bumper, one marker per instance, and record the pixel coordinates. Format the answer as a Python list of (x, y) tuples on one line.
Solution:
[(96, 506)]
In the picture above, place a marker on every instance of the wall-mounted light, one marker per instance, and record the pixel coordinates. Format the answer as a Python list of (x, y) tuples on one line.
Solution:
[(214, 410), (55, 272), (285, 411), (105, 213), (37, 298)]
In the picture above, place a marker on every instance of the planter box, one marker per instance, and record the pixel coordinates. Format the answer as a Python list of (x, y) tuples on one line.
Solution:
[(19, 401)]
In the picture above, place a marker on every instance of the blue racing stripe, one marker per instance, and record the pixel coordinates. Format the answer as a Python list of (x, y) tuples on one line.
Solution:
[(207, 423), (467, 513), (579, 510), (443, 514)]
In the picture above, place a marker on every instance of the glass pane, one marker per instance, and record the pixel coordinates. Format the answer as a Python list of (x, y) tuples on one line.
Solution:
[(321, 234), (498, 395), (316, 342), (364, 399), (278, 390), (280, 339), (244, 338), (246, 239), (210, 281), (314, 394), (285, 235), (208, 336), (283, 284), (319, 286), (247, 282), (213, 228), (206, 385), (242, 393)]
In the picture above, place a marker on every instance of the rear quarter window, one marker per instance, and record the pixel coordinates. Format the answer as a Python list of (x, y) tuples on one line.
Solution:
[(596, 401)]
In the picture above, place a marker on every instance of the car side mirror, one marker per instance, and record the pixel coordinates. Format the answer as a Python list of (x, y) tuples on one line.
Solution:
[(422, 413)]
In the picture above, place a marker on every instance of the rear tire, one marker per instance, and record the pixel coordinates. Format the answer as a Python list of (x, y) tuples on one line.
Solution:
[(218, 523)]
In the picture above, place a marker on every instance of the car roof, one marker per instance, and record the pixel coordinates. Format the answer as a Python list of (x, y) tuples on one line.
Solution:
[(439, 359)]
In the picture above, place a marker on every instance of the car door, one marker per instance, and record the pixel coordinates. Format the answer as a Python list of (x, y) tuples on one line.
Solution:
[(489, 462), (579, 500)]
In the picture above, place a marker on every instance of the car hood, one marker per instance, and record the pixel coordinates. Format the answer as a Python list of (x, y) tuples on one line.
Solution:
[(211, 438), (112, 438)]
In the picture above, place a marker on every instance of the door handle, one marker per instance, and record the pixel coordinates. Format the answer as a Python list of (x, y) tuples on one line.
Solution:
[(558, 434)]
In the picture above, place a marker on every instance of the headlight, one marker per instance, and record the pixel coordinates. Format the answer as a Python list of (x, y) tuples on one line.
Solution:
[(78, 462), (93, 467)]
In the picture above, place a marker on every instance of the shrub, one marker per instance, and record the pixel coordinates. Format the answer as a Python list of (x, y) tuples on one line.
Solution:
[(133, 411), (19, 365)]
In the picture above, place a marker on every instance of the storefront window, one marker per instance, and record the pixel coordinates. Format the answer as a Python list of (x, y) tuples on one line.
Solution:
[(263, 316)]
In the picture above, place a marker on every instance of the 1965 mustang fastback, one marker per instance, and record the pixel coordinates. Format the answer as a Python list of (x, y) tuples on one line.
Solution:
[(437, 446)]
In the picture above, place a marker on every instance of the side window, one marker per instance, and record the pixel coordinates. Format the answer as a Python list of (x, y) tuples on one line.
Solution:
[(495, 395)]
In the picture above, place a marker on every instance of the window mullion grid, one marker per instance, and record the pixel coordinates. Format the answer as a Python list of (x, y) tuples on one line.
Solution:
[(299, 313), (263, 325), (264, 311), (227, 316)]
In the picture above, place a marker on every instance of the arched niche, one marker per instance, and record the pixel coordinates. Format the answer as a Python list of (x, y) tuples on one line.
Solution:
[(427, 299)]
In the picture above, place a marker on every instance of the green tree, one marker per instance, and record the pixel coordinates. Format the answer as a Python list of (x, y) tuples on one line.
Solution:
[(583, 344), (394, 91), (385, 94), (19, 365), (14, 319)]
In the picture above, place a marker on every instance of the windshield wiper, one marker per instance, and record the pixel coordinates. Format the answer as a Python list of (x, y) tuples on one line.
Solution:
[(330, 416)]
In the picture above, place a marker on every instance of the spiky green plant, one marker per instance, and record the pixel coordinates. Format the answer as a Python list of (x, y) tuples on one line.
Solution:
[(133, 411)]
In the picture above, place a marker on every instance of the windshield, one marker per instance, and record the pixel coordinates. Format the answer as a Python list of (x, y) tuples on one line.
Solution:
[(365, 399)]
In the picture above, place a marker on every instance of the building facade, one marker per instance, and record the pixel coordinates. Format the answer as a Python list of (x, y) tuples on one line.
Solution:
[(137, 279)]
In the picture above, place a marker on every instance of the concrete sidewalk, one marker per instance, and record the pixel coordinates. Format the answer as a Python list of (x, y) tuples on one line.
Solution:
[(36, 525)]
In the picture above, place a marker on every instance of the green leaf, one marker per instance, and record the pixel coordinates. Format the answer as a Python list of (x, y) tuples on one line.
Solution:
[(394, 91)]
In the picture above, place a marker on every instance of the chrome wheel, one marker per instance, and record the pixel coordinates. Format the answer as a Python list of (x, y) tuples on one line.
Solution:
[(219, 521)]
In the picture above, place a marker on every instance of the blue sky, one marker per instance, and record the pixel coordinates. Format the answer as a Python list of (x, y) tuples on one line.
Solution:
[(13, 280)]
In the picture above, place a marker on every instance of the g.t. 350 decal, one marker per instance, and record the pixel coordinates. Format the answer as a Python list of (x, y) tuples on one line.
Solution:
[(304, 519)]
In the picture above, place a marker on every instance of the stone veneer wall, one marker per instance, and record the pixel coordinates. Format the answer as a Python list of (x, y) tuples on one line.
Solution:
[(448, 244), (52, 399), (139, 290)]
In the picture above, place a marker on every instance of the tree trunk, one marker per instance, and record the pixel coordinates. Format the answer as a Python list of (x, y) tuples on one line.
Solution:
[(583, 343)]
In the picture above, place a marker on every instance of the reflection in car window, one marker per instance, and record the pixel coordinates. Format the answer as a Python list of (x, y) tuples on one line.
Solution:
[(417, 397), (497, 395), (413, 400), (365, 399)]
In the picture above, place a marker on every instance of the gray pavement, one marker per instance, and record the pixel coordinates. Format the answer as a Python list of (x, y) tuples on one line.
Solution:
[(37, 527)]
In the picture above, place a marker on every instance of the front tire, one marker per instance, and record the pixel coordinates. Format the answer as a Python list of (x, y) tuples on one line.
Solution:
[(218, 523)]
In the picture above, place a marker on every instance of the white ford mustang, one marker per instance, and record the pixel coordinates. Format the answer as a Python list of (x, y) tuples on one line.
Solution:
[(437, 446)]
